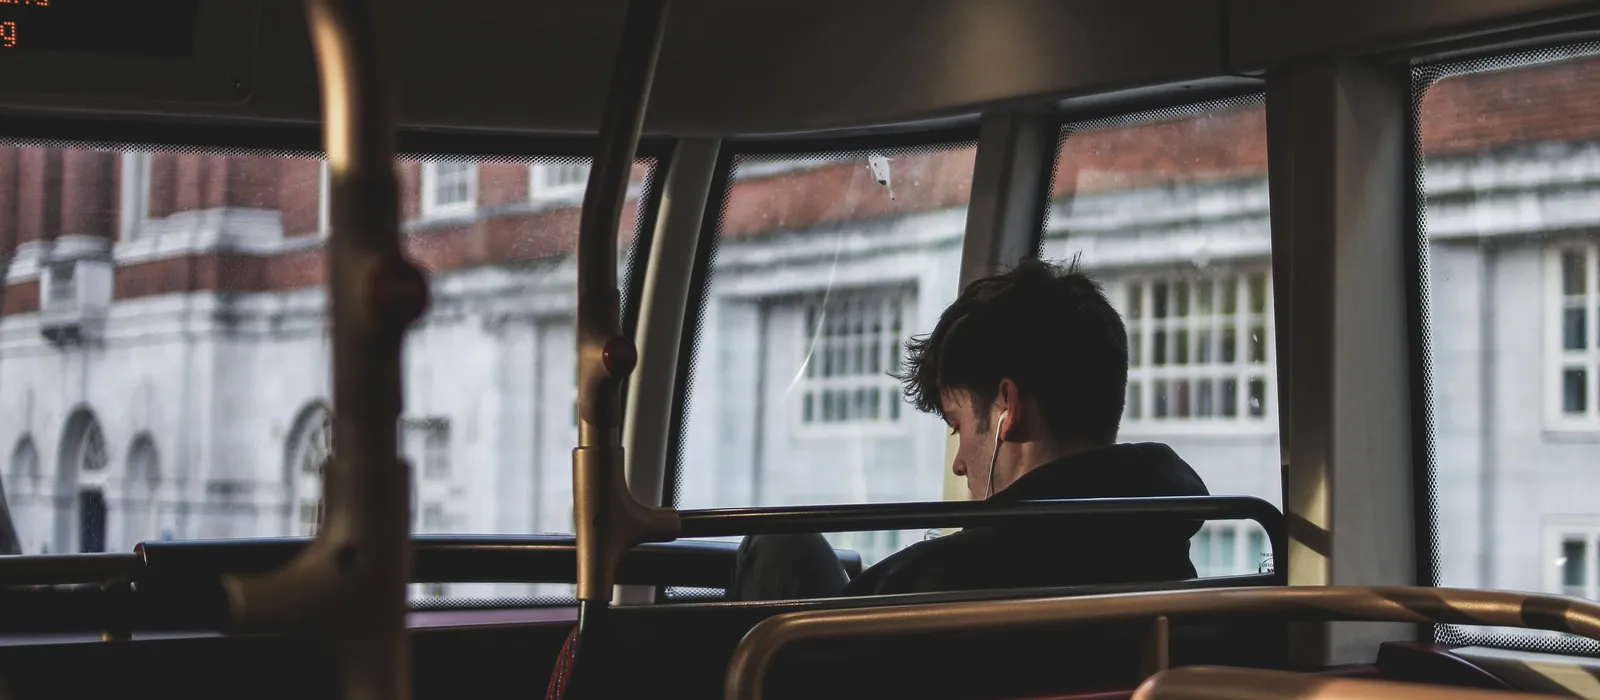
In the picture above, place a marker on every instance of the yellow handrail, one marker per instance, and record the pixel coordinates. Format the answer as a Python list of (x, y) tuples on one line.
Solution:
[(1202, 683), (753, 657), (349, 585)]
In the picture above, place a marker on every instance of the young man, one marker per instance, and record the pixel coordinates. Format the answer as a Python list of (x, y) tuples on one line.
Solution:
[(1030, 369)]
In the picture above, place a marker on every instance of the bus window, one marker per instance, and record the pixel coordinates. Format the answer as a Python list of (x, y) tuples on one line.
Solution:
[(1168, 212), (825, 265), (1511, 177), (165, 349)]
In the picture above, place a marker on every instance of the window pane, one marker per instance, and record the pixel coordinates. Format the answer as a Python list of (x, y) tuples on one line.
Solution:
[(1227, 542), (1573, 281), (1510, 337), (1574, 391), (1200, 551), (1259, 552), (1207, 330), (1572, 332), (1574, 563), (202, 275), (792, 226)]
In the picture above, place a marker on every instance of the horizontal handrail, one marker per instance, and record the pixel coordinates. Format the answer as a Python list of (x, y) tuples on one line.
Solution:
[(62, 569), (478, 559), (1206, 683), (438, 559), (723, 522), (753, 657)]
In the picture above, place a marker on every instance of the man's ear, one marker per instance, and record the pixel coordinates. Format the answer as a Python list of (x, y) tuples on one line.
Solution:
[(1010, 401)]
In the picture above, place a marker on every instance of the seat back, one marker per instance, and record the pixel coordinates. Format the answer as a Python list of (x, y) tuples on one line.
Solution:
[(686, 648)]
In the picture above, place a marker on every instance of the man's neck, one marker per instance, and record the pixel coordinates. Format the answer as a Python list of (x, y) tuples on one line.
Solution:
[(1039, 453)]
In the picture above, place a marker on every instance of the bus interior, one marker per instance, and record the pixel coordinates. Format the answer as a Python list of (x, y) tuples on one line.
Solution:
[(585, 293)]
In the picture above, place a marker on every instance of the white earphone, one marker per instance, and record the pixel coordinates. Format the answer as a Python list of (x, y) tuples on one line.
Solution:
[(995, 455)]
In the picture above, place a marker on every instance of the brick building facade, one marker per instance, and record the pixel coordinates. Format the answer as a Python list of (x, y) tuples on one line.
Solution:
[(163, 355)]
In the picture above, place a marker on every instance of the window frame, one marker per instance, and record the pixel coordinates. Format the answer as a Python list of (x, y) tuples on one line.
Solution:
[(1143, 374), (432, 208), (1557, 359)]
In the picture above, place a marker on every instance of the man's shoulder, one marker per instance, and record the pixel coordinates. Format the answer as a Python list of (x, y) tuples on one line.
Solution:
[(924, 566)]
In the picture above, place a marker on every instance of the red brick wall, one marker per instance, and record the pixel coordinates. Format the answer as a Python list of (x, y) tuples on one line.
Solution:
[(9, 199), (88, 204), (22, 298), (38, 194), (299, 193), (847, 190), (44, 193)]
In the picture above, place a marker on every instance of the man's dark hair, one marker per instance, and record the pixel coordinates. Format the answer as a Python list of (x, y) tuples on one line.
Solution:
[(1048, 328)]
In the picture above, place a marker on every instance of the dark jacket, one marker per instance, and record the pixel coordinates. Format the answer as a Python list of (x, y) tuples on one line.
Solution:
[(1110, 550)]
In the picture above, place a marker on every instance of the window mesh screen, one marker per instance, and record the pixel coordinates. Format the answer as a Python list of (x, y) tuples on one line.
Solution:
[(1424, 79)]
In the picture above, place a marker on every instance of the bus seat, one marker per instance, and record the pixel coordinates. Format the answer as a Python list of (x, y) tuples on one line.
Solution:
[(687, 647), (1434, 664)]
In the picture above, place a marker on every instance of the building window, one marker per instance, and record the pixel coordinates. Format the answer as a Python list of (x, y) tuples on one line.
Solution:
[(142, 487), (91, 520), (1230, 548), (23, 496), (449, 189), (135, 193), (425, 442), (436, 450), (91, 452), (62, 287), (1199, 350), (433, 518), (1575, 366), (1571, 548), (558, 181), (312, 446), (853, 345)]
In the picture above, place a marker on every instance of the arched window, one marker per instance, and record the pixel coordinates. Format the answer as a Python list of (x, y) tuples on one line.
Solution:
[(310, 444), (82, 512), (141, 509), (92, 457), (23, 496)]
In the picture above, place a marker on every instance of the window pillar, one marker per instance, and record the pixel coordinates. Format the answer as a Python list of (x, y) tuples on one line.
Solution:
[(1340, 180)]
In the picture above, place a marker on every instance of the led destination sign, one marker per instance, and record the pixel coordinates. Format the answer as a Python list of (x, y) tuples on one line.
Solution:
[(135, 28)]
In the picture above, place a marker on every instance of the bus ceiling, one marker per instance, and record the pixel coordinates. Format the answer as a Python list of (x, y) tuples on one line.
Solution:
[(819, 67)]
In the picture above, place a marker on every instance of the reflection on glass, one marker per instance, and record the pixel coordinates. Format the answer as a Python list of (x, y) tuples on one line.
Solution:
[(821, 275)]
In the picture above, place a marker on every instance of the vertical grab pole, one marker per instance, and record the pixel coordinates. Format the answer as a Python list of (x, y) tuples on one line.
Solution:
[(349, 585), (609, 519)]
